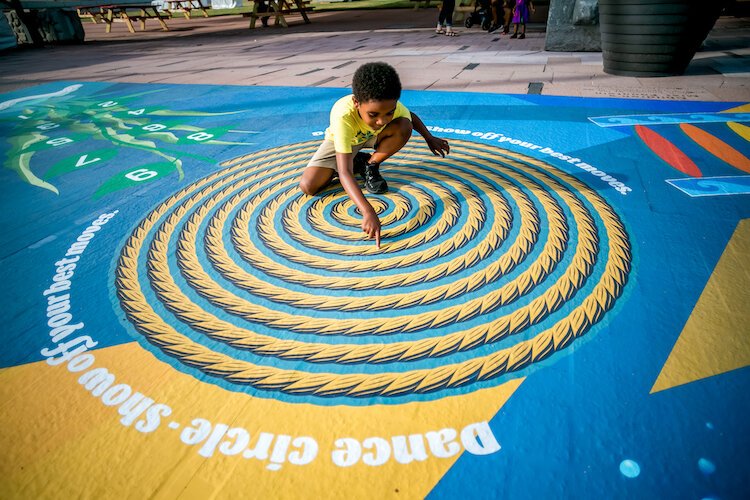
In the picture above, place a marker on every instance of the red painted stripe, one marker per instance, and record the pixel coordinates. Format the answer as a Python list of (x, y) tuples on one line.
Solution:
[(717, 147), (668, 152)]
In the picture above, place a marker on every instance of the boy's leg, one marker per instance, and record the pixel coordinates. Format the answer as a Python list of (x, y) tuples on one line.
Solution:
[(314, 179), (320, 169), (393, 137)]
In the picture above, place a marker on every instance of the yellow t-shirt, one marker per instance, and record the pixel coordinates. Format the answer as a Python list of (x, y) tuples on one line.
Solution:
[(347, 128)]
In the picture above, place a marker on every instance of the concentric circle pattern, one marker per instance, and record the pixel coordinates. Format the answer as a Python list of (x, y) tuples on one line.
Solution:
[(491, 261)]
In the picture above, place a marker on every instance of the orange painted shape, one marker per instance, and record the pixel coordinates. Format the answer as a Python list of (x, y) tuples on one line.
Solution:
[(717, 147), (668, 152)]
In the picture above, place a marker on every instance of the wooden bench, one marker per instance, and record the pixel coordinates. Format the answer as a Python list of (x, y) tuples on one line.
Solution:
[(277, 9), (126, 13), (184, 6)]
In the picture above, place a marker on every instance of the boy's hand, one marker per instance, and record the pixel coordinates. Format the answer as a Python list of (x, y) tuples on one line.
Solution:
[(370, 221), (371, 226), (438, 146)]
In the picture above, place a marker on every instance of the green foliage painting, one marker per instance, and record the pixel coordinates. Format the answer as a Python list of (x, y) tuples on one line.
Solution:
[(52, 121)]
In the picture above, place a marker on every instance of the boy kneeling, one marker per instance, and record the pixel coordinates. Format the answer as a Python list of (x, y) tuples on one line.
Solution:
[(373, 117)]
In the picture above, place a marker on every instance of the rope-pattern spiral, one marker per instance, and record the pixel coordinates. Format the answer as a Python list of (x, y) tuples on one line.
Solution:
[(491, 261)]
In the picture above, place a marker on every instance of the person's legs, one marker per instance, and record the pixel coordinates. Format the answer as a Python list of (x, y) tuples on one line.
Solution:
[(442, 16), (448, 7), (314, 179), (263, 7), (393, 137), (495, 9), (320, 169)]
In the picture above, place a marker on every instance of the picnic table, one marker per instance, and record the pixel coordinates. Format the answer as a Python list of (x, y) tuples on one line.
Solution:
[(96, 10), (135, 10), (277, 9), (130, 11), (184, 6), (124, 12)]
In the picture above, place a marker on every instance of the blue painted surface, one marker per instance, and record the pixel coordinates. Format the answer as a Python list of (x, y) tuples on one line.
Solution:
[(570, 428)]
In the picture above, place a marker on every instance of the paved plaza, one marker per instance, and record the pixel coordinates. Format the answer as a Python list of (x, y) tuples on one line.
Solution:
[(558, 309), (325, 53)]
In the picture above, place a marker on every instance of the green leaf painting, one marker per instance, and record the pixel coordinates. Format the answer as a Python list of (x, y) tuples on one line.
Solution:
[(135, 177), (109, 125)]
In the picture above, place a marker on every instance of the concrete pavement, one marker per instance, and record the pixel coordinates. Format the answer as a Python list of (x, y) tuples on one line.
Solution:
[(222, 50), (453, 382)]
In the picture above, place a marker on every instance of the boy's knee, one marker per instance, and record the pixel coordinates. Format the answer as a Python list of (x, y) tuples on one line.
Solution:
[(306, 187), (404, 127)]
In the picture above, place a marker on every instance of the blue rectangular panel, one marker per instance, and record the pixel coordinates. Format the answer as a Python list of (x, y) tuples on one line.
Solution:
[(668, 119), (713, 186)]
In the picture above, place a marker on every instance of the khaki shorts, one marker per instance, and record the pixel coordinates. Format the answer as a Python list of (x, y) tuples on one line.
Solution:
[(325, 156)]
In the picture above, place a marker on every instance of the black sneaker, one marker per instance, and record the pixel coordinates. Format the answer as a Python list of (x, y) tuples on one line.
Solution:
[(374, 182), (360, 160), (522, 36)]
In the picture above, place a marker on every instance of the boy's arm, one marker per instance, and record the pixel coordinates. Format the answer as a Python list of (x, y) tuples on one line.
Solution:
[(437, 145), (370, 221)]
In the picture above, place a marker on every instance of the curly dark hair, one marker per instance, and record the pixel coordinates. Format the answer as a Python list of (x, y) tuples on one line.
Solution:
[(376, 81)]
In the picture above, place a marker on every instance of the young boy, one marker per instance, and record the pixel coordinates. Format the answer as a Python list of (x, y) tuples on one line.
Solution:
[(372, 117)]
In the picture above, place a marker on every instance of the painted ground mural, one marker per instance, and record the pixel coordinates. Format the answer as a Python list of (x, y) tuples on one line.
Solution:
[(559, 308)]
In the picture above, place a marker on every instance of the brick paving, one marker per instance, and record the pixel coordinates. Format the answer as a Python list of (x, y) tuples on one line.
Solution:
[(325, 53)]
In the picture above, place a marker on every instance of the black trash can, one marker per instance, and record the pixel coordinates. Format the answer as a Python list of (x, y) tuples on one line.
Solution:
[(653, 37)]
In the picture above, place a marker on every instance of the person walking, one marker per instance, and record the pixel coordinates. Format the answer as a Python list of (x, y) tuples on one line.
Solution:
[(521, 14), (445, 18)]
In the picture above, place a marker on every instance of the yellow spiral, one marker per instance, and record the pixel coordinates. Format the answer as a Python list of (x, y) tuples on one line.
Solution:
[(478, 248)]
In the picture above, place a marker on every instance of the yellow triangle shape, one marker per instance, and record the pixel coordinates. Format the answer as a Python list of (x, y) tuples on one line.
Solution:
[(83, 442), (739, 109), (716, 337)]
